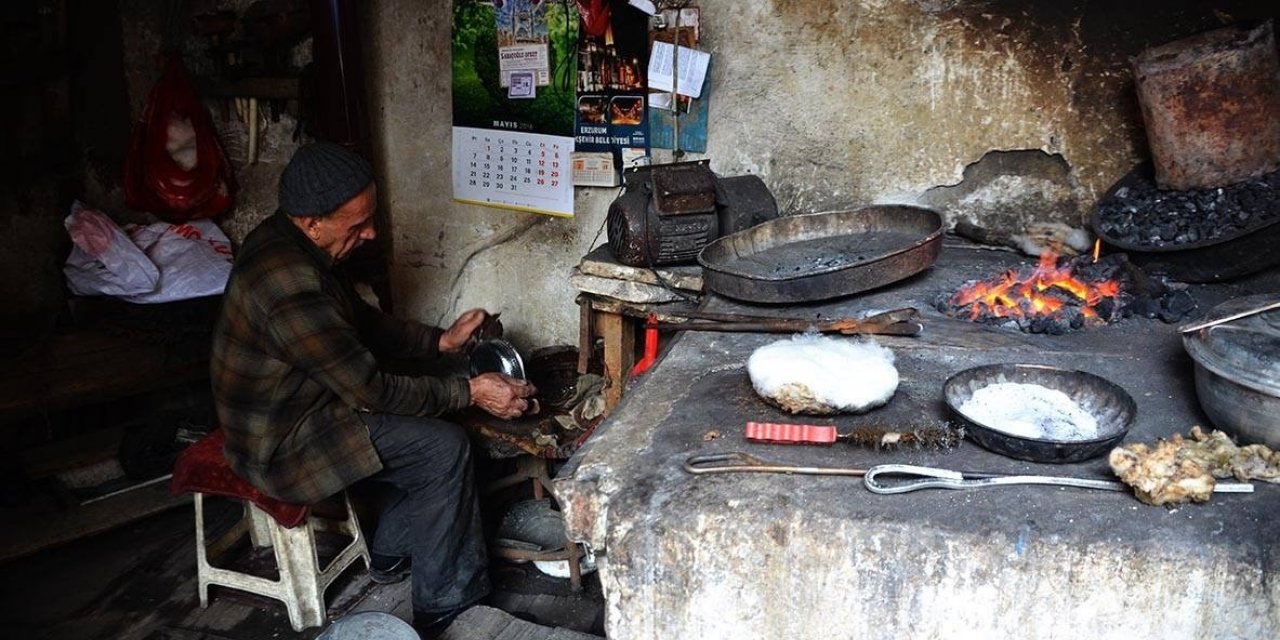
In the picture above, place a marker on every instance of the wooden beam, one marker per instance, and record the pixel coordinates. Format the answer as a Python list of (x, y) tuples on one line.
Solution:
[(82, 368), (619, 354)]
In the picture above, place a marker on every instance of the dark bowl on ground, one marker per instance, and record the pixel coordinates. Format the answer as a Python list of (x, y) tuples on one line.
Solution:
[(1109, 404)]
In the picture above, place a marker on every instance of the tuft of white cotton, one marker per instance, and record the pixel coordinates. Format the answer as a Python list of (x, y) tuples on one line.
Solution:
[(811, 373)]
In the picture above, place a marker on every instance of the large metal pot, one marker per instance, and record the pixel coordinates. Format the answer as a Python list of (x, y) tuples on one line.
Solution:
[(1238, 370)]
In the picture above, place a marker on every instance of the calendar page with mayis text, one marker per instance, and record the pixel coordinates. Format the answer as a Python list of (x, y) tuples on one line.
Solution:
[(524, 171)]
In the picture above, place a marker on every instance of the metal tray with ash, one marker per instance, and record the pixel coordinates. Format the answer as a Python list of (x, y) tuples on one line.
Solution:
[(1011, 409), (820, 256)]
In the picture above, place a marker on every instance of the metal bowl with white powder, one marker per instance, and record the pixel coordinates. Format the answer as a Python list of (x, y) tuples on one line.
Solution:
[(1040, 413)]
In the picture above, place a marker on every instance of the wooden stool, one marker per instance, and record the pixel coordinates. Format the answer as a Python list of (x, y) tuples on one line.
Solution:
[(288, 529)]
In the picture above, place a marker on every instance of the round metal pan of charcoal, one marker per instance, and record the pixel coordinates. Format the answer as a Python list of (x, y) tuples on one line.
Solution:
[(1193, 235)]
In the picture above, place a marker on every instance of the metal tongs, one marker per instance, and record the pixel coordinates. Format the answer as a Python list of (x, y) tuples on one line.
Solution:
[(934, 478), (896, 322), (736, 461), (911, 477)]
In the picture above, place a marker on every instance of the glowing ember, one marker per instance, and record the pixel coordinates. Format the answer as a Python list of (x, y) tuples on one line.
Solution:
[(1053, 292)]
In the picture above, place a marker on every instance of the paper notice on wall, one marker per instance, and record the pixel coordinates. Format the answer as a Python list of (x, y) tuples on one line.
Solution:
[(594, 169), (692, 67), (523, 57)]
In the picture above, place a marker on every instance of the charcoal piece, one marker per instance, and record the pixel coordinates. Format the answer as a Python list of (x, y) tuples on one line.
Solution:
[(1176, 306), (1144, 307), (1105, 308)]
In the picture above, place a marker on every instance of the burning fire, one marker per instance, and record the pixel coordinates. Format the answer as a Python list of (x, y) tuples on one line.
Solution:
[(1042, 293)]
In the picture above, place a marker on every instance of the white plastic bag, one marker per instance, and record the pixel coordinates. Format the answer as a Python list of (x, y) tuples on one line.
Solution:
[(158, 262), (194, 259), (104, 261)]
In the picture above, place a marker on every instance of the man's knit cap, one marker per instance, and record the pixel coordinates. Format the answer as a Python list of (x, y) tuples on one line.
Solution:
[(321, 177)]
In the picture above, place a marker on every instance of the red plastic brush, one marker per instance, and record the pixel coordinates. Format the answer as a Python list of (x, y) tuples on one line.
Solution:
[(933, 437)]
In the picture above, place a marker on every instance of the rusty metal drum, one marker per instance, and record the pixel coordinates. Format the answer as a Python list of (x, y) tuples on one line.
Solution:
[(1211, 105)]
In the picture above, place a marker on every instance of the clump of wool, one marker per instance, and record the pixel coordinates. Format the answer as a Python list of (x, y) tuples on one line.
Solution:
[(816, 374)]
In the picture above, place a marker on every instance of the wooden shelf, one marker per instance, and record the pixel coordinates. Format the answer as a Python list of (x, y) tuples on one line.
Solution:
[(85, 367), (270, 88)]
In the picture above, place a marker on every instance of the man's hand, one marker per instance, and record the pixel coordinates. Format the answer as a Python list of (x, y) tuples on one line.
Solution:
[(503, 396), (456, 337)]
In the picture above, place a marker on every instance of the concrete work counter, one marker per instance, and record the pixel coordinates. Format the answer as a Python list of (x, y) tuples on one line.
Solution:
[(780, 556)]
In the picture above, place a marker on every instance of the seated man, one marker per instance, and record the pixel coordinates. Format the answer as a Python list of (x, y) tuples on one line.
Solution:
[(307, 410)]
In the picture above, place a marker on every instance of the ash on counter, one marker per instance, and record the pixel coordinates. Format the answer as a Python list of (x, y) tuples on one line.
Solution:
[(1140, 214)]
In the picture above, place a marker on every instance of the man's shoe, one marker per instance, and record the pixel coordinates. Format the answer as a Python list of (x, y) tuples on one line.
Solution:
[(388, 569), (431, 625)]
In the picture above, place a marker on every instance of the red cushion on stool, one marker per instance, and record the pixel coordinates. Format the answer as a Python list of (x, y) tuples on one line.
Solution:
[(203, 468)]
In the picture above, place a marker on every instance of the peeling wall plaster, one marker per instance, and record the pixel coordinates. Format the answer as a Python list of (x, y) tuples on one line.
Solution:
[(834, 103)]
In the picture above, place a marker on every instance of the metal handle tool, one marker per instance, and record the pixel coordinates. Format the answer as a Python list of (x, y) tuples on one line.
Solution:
[(897, 322), (1205, 324), (738, 462), (933, 478)]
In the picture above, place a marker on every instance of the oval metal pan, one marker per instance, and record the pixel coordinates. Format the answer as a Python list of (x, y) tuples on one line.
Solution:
[(818, 256)]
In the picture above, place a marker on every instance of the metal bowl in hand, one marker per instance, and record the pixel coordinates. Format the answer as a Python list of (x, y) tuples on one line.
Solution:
[(496, 356), (1110, 406)]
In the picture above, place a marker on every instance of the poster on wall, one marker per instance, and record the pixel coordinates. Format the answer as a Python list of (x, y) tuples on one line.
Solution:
[(691, 106), (612, 116), (513, 104)]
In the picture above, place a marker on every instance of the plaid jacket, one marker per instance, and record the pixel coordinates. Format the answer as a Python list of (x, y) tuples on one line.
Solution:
[(293, 366)]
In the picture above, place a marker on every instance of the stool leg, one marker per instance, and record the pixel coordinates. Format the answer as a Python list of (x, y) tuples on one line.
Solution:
[(259, 526), (295, 551), (353, 529)]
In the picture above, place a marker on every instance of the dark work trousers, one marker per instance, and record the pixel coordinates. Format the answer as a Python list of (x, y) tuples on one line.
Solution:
[(432, 514)]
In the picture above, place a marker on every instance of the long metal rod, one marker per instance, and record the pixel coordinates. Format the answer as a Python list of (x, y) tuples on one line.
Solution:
[(146, 483), (1235, 316), (782, 326), (900, 322)]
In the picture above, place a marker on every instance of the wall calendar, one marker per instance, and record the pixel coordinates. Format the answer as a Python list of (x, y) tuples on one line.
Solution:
[(513, 170), (513, 104)]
